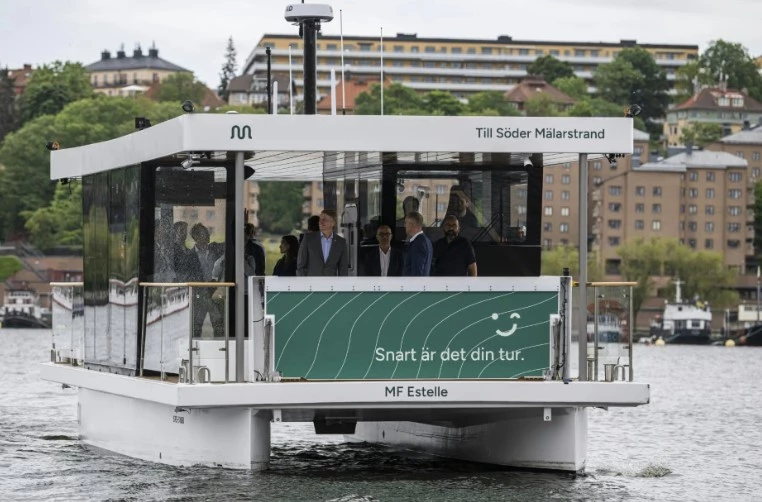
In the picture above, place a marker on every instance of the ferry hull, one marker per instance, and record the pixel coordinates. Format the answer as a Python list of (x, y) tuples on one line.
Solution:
[(236, 438), (525, 440), (689, 338)]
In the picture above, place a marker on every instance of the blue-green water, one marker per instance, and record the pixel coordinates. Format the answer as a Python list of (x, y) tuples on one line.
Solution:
[(699, 439)]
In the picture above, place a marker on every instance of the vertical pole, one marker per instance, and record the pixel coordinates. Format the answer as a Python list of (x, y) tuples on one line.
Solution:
[(341, 34), (309, 31), (631, 322), (382, 70), (596, 313), (275, 98), (566, 287), (290, 84), (239, 278), (758, 284), (268, 51), (582, 302), (227, 334), (190, 335), (333, 91)]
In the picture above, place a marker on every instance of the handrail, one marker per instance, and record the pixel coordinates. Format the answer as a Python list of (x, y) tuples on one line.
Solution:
[(604, 283), (188, 284), (65, 284)]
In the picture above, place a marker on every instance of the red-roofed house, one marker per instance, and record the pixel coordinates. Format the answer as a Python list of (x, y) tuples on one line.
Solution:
[(20, 78), (347, 94), (533, 86), (730, 108)]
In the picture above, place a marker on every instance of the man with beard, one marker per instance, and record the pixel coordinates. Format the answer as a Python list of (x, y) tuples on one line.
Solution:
[(453, 255)]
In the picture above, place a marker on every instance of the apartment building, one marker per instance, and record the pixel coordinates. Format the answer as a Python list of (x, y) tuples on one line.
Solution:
[(111, 75), (20, 78), (731, 109), (460, 66)]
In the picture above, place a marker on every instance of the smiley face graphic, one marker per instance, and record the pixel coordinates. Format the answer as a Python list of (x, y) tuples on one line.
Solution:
[(513, 329)]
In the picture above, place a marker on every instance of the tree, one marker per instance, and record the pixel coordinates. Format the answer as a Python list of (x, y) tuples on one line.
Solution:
[(731, 63), (574, 87), (280, 206), (442, 103), (690, 77), (25, 187), (398, 100), (550, 68), (556, 259), (635, 78), (52, 87), (60, 223), (181, 86), (541, 105), (701, 134), (8, 110), (229, 68), (9, 265), (487, 102)]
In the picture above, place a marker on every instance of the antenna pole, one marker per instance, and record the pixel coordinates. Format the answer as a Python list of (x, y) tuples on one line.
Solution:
[(382, 70), (268, 51), (343, 83), (310, 28), (333, 91), (290, 84)]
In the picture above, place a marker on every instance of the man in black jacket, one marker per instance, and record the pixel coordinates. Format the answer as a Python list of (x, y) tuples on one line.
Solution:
[(384, 260), (419, 250)]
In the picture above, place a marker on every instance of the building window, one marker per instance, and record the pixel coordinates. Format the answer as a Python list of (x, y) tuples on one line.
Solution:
[(548, 210), (565, 179), (693, 176), (709, 244), (563, 228), (710, 177), (441, 189), (692, 226), (639, 225), (549, 179), (612, 266), (709, 226), (564, 211), (657, 191), (615, 224), (523, 52), (692, 243), (547, 227), (755, 173), (656, 208), (613, 241), (522, 193), (693, 193), (734, 227), (565, 195), (735, 177), (456, 50), (548, 195), (615, 190), (414, 48), (486, 50), (735, 193), (580, 53), (548, 243), (710, 193), (597, 165), (740, 154), (692, 209), (640, 208), (597, 180), (614, 207), (441, 207), (656, 225), (640, 191), (709, 210), (734, 210)]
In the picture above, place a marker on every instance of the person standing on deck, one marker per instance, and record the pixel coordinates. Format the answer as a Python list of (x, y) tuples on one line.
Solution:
[(419, 251), (207, 254), (323, 253), (453, 255)]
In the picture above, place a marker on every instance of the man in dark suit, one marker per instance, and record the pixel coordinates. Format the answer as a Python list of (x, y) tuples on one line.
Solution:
[(323, 253), (207, 254), (383, 261), (419, 250)]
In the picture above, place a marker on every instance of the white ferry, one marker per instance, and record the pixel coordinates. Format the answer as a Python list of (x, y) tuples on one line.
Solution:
[(478, 369)]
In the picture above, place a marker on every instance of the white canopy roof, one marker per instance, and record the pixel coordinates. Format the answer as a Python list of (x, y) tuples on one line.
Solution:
[(300, 146)]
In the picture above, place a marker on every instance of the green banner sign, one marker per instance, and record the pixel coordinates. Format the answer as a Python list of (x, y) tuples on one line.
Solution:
[(374, 335)]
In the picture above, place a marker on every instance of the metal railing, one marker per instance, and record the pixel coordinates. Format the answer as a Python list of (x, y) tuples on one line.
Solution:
[(613, 317), (186, 373)]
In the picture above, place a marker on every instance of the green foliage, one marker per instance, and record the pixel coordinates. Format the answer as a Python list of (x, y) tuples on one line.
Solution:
[(704, 272), (60, 223), (574, 87), (52, 87), (490, 103), (181, 86), (398, 100), (689, 78), (9, 265), (701, 134), (25, 187), (634, 78), (229, 68), (550, 68), (280, 205), (731, 62), (8, 110), (541, 105), (442, 103), (556, 259)]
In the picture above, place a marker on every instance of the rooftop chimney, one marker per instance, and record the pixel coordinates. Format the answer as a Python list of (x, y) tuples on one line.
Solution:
[(153, 52), (746, 125), (138, 52), (689, 148), (105, 55), (120, 54)]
